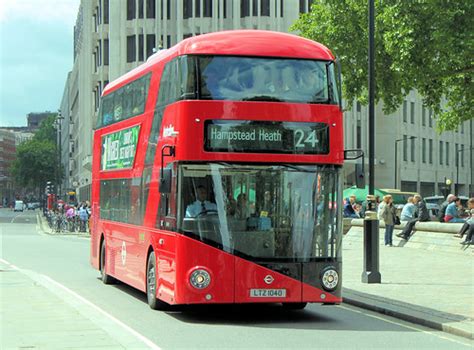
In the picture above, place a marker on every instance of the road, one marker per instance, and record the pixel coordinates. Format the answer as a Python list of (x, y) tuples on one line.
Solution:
[(64, 261)]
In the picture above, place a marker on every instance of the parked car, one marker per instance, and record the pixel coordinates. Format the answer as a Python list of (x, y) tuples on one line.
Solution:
[(19, 206), (433, 204)]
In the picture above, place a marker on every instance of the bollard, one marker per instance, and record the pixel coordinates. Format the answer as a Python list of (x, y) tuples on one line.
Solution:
[(371, 273)]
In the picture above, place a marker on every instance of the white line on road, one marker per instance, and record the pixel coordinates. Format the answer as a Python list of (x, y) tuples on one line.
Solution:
[(401, 324), (54, 284)]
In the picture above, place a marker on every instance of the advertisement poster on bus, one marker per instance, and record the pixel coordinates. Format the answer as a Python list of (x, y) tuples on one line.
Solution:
[(119, 148)]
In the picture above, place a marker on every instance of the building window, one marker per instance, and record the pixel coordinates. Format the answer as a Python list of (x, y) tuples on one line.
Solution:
[(207, 10), (281, 8), (423, 116), (462, 156), (255, 8), (358, 106), (405, 148), (141, 7), (197, 10), (430, 151), (302, 6), (440, 152), (106, 11), (150, 44), (412, 149), (150, 9), (423, 150), (430, 118), (168, 41), (131, 50), (447, 153), (168, 9), (140, 47), (405, 117), (412, 112), (244, 8), (187, 9), (131, 10), (106, 52), (456, 159), (462, 128)]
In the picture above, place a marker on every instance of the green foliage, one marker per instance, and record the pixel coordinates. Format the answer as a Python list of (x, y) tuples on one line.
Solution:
[(422, 45), (47, 129), (37, 159)]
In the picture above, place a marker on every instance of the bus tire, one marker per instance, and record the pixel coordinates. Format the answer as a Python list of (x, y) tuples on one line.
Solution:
[(153, 301), (294, 306), (106, 279)]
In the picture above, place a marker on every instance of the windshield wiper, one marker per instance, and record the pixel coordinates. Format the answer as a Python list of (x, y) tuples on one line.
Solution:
[(262, 98), (299, 168)]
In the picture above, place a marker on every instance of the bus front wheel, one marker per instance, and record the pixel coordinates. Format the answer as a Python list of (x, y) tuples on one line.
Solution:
[(106, 279), (153, 301)]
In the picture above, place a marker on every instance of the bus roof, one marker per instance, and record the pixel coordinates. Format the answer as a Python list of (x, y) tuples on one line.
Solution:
[(235, 43)]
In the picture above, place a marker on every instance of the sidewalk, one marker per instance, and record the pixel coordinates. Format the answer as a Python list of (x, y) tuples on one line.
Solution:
[(434, 288), (37, 314)]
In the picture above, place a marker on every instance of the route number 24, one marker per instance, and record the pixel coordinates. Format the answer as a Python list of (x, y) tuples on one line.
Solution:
[(303, 139)]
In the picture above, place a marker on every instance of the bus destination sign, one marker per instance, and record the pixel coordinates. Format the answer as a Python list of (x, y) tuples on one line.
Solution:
[(119, 148), (252, 136)]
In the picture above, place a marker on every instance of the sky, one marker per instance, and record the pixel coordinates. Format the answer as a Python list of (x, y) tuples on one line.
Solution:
[(36, 53)]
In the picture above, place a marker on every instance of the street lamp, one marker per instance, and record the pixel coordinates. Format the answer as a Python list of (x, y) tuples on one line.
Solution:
[(456, 187), (59, 118), (396, 156)]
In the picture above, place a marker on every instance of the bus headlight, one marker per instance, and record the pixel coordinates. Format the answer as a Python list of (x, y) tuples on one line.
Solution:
[(329, 278), (200, 279)]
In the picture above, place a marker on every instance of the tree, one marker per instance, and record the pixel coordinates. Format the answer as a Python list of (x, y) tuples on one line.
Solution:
[(422, 45), (37, 159)]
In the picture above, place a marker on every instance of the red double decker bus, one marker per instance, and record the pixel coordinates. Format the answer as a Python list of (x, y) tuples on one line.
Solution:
[(216, 173)]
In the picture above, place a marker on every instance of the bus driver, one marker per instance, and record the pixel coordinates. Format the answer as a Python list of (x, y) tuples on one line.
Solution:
[(201, 205)]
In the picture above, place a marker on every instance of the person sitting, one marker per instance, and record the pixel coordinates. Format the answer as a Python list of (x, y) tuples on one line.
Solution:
[(200, 205), (242, 210), (349, 211), (442, 209), (421, 215), (452, 213), (408, 211), (267, 207), (468, 226)]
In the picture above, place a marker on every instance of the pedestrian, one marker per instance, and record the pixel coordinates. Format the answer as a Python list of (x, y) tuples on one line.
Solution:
[(388, 214), (452, 212), (83, 217), (408, 211), (421, 214), (442, 208), (468, 226), (349, 211)]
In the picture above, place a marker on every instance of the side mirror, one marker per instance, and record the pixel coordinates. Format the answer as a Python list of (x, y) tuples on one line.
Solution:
[(165, 180)]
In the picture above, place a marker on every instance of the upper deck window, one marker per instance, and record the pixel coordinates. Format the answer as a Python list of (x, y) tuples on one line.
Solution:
[(124, 103), (267, 79)]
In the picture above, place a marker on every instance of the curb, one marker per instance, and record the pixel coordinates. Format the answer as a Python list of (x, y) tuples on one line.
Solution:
[(411, 313)]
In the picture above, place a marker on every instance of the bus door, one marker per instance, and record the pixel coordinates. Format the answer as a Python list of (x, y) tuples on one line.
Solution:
[(260, 274)]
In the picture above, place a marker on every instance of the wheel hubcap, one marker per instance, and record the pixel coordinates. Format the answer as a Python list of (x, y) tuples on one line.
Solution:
[(151, 282)]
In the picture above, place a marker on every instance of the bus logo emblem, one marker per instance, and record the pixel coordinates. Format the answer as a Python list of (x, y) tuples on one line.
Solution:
[(268, 279)]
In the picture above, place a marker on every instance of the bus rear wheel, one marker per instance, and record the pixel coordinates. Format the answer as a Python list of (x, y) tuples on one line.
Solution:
[(153, 301), (294, 306), (106, 279)]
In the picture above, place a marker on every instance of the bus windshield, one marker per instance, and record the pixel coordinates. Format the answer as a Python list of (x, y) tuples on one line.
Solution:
[(271, 212), (267, 79)]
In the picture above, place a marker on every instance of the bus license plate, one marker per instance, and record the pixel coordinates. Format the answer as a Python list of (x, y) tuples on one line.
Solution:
[(267, 293)]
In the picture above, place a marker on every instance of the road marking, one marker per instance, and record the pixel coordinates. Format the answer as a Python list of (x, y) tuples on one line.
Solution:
[(53, 285), (403, 325)]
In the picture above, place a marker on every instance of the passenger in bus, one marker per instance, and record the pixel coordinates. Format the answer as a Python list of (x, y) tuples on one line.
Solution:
[(242, 210), (201, 205), (267, 207)]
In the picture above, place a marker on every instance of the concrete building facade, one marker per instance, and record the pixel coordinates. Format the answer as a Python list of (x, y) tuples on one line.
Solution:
[(111, 37), (425, 158)]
